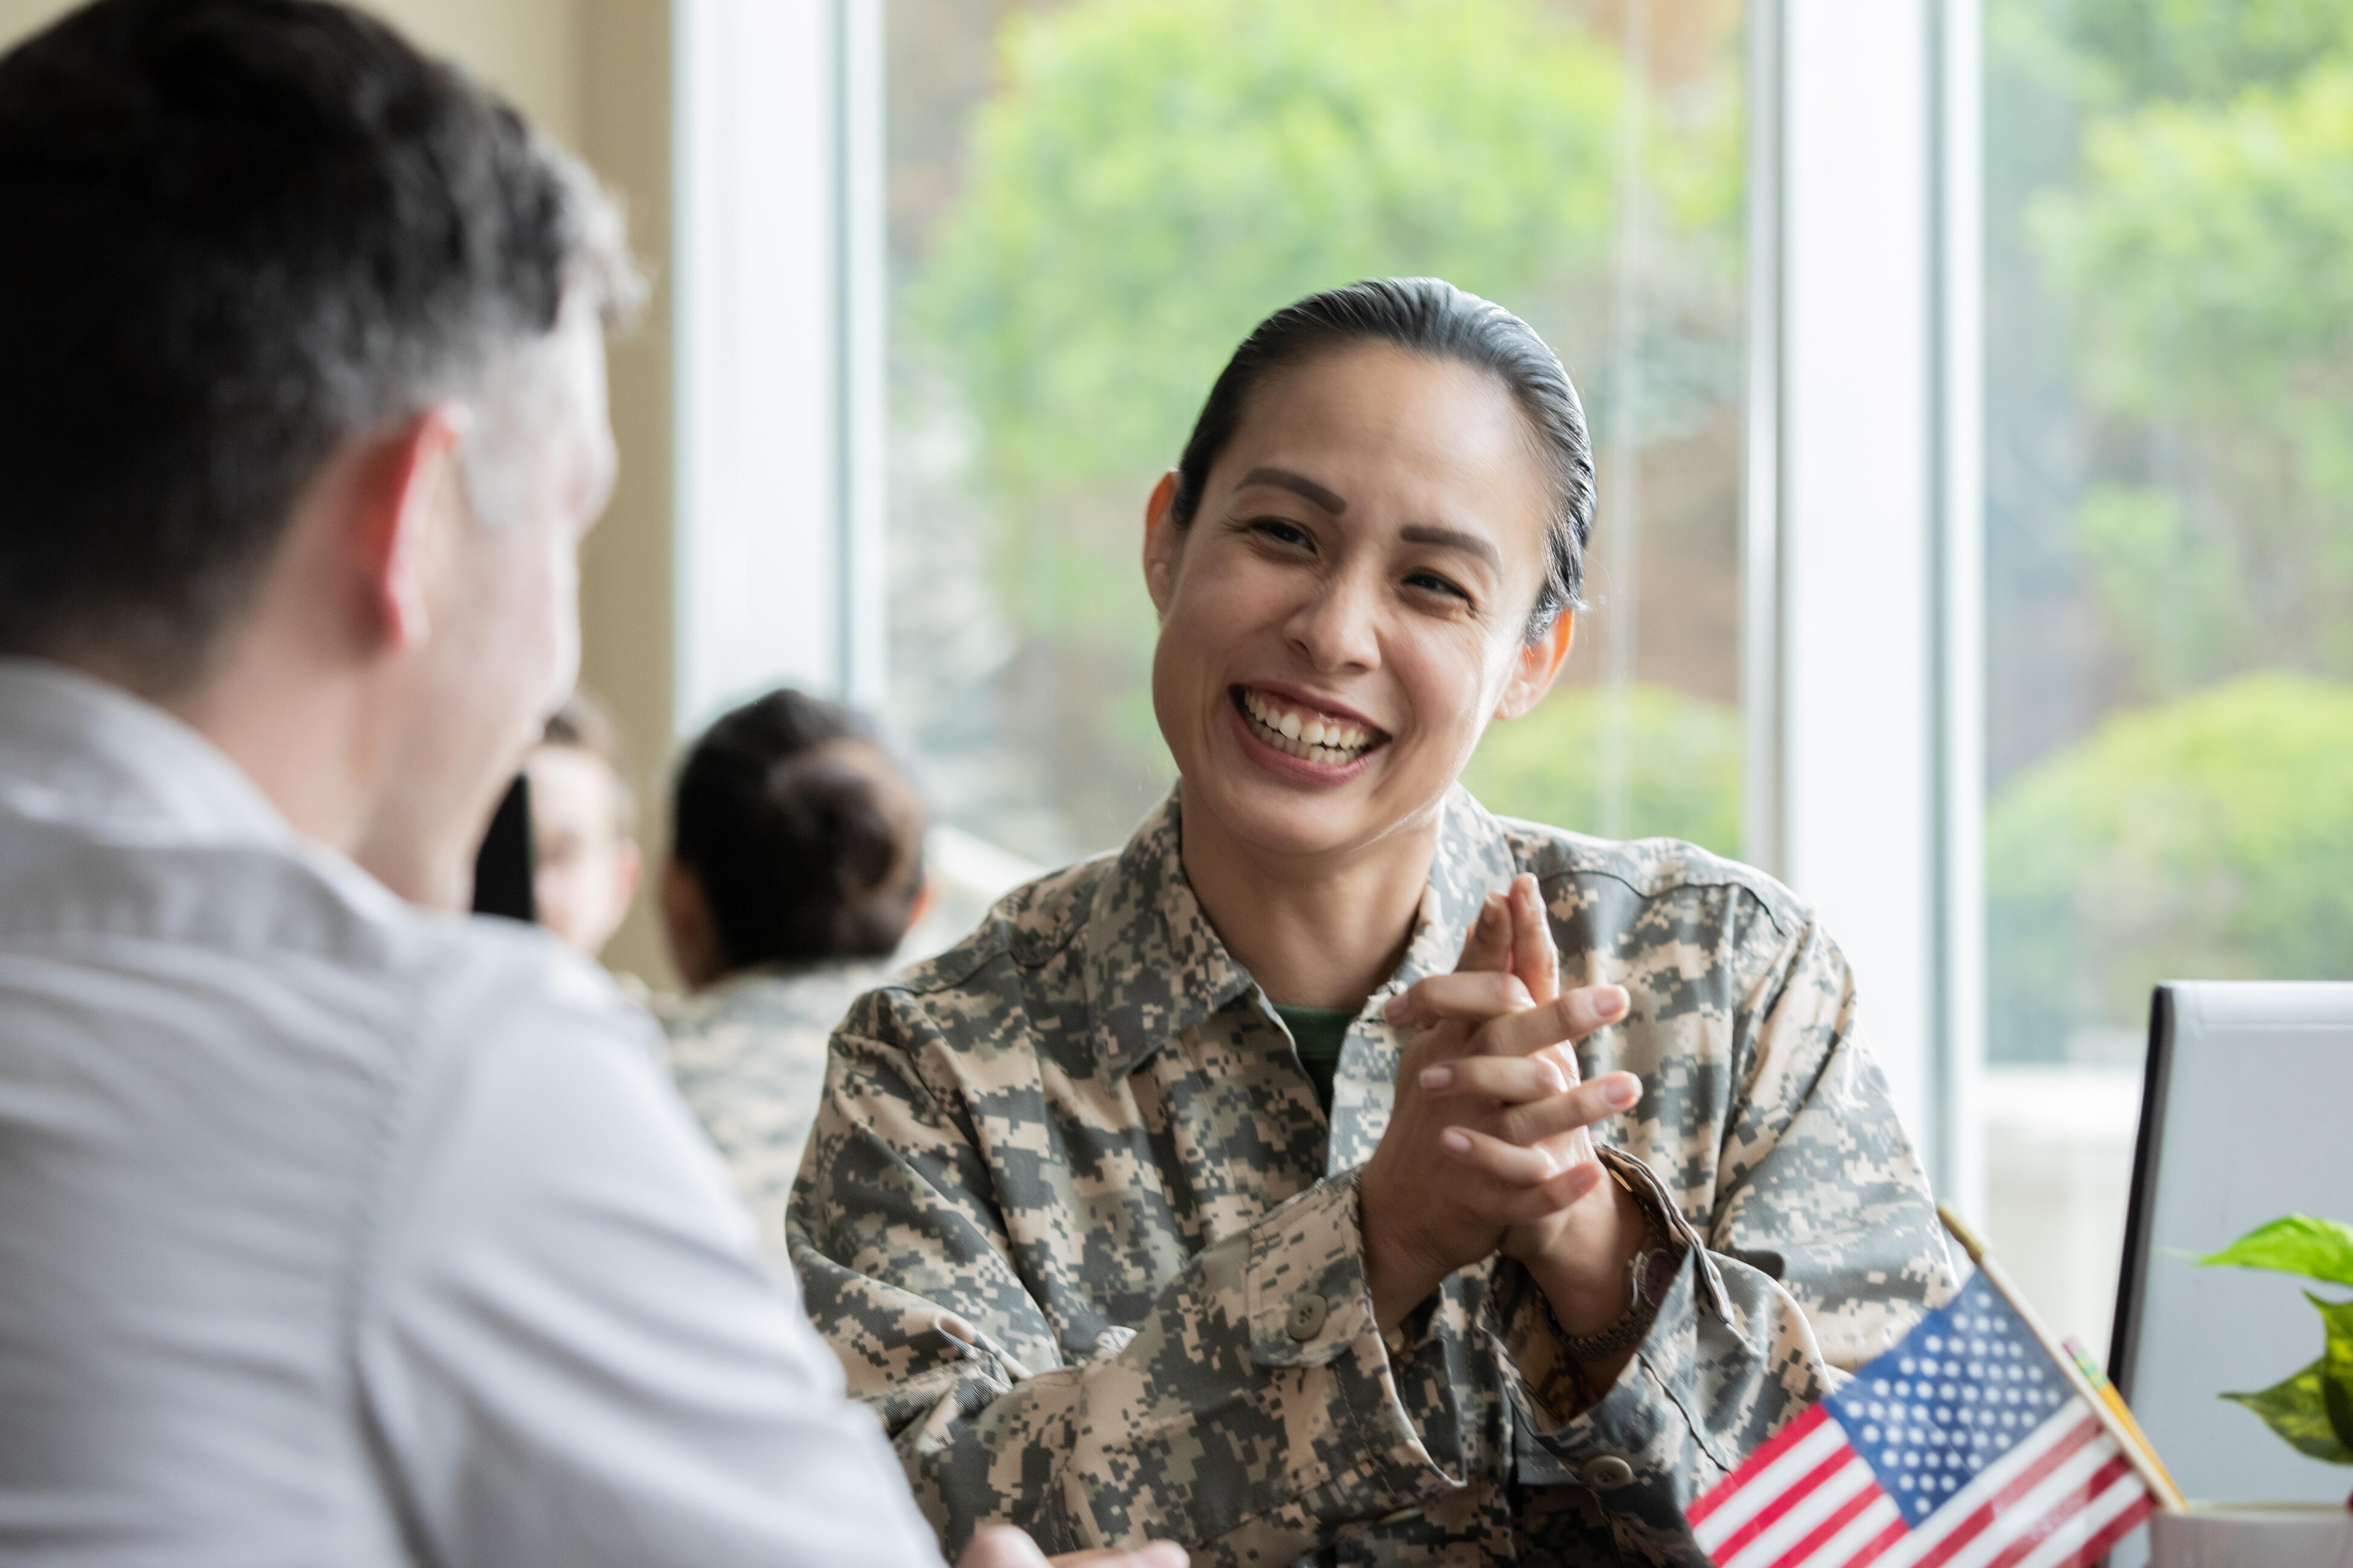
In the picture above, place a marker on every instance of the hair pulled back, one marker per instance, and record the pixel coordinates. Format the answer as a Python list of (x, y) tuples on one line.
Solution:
[(804, 834), (1431, 317)]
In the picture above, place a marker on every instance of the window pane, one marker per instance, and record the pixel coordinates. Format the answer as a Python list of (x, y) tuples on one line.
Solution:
[(2169, 537), (1093, 202)]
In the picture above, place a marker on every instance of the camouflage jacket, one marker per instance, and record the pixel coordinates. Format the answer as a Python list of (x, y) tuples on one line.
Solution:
[(1070, 1182), (748, 1054)]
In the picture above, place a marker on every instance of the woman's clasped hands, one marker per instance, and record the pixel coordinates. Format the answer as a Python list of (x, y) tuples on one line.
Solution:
[(1487, 1148)]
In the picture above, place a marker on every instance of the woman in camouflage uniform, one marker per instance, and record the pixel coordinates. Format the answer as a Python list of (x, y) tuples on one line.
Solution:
[(1261, 1185), (796, 867)]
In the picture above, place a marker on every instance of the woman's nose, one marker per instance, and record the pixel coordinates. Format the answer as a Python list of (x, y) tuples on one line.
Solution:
[(1338, 628)]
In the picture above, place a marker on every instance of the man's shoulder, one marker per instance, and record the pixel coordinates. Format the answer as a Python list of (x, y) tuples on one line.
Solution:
[(235, 923)]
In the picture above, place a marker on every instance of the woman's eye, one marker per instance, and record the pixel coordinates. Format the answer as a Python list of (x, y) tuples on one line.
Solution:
[(1278, 531), (1430, 582)]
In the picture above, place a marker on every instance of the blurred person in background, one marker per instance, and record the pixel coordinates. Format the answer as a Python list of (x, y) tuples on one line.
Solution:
[(333, 1228), (584, 816), (796, 868), (1341, 1173)]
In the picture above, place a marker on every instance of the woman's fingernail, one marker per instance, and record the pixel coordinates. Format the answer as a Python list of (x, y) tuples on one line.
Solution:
[(1437, 1078), (1622, 1092), (1454, 1141), (1394, 1008), (1610, 1004)]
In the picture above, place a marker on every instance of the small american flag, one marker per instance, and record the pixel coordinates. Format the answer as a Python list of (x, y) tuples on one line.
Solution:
[(1965, 1447)]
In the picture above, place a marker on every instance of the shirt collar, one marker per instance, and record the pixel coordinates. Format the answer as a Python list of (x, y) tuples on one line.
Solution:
[(1156, 967), (74, 749)]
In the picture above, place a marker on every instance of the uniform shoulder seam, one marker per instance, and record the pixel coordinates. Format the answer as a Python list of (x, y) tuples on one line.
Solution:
[(1673, 865)]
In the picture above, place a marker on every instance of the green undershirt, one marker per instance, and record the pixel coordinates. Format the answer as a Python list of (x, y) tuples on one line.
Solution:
[(1318, 1033)]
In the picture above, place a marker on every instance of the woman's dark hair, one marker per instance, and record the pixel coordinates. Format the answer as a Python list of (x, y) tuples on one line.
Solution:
[(805, 837), (1431, 317)]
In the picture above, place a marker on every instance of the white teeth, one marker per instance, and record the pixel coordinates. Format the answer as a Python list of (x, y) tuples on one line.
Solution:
[(1327, 740)]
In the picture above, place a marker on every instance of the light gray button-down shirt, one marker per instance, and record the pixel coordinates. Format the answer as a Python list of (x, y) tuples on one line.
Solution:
[(333, 1232)]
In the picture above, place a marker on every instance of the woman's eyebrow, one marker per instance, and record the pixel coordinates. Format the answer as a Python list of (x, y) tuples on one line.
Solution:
[(1453, 538), (1299, 484)]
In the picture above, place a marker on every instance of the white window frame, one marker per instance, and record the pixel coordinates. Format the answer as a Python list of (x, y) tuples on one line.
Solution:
[(779, 310), (1862, 529)]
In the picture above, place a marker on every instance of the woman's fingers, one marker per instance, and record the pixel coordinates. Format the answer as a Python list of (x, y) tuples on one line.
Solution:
[(1570, 1016), (1536, 1102), (1151, 1554), (1003, 1546), (1534, 959), (1533, 1122), (1471, 997), (1534, 1181), (1489, 945), (1511, 1079)]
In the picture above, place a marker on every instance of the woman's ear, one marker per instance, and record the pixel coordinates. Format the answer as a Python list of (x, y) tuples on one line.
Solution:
[(1537, 667), (1164, 542)]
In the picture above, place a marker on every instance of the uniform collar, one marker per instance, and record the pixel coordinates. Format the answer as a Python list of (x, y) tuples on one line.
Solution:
[(74, 749), (1156, 967)]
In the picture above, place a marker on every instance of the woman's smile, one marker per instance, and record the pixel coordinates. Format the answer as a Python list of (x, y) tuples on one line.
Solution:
[(1302, 739)]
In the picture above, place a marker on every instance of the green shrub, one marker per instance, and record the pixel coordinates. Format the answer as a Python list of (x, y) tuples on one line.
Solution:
[(2208, 838), (1683, 774)]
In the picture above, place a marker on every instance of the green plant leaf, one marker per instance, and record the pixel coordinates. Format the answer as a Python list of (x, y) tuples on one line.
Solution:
[(2298, 1410), (2299, 1244), (2337, 1364)]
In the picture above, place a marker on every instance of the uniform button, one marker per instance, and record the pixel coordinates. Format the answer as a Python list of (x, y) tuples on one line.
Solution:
[(1308, 1311), (1606, 1472)]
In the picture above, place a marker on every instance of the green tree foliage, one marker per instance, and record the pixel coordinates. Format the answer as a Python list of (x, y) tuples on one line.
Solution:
[(2201, 49), (2202, 250), (1685, 757), (2211, 837), (1158, 174), (2184, 457)]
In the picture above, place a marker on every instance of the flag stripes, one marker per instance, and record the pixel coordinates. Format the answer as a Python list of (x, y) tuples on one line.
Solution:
[(2061, 1499), (1965, 1446)]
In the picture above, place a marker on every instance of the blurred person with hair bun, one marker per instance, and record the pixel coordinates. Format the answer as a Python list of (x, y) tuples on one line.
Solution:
[(796, 868)]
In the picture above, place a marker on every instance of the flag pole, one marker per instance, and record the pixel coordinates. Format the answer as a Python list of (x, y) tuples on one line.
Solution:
[(2142, 1460)]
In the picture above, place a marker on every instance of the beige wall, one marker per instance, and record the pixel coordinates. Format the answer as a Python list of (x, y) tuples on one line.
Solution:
[(625, 588), (594, 74)]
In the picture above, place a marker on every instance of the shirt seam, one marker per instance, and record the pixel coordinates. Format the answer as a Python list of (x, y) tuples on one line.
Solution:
[(394, 1124)]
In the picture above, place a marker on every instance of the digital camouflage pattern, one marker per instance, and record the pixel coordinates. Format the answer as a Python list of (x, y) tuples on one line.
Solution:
[(1069, 1179), (748, 1054)]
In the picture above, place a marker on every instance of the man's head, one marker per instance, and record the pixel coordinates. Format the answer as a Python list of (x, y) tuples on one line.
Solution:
[(302, 402)]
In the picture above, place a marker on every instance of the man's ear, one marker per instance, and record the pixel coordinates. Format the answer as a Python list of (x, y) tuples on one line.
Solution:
[(410, 481), (1537, 667), (1163, 543)]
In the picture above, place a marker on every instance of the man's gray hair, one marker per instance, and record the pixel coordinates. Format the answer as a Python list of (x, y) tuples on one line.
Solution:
[(241, 233)]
